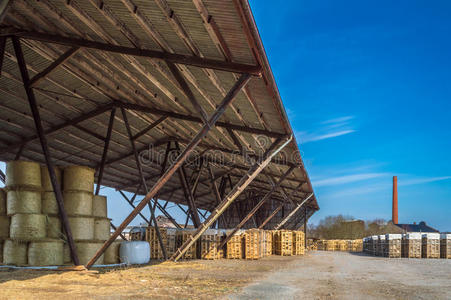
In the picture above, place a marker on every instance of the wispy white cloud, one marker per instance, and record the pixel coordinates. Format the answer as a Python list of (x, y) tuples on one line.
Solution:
[(339, 180), (338, 120), (423, 180), (330, 128), (305, 137)]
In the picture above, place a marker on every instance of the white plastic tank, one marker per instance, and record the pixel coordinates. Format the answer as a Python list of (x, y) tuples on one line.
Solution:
[(134, 252)]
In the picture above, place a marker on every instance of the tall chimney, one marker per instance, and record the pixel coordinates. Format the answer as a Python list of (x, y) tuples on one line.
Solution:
[(395, 200)]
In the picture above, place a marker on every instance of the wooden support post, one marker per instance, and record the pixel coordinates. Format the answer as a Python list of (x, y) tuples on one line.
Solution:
[(44, 145), (114, 228), (151, 126), (61, 60), (187, 91), (256, 207), (292, 212), (189, 197), (231, 196), (241, 82), (133, 206), (143, 181), (105, 150), (271, 216), (2, 177), (215, 190)]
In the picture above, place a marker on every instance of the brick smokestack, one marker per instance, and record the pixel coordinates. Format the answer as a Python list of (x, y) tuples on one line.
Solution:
[(395, 200)]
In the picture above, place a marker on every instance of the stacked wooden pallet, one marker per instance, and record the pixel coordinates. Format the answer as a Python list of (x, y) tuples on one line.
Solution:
[(168, 236), (445, 245), (209, 244), (284, 243), (252, 244), (298, 243), (342, 245), (181, 236), (392, 246), (330, 245), (411, 245), (430, 245), (356, 246), (268, 242), (234, 247)]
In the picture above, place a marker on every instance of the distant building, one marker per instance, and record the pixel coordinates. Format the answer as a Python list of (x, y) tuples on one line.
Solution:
[(420, 227)]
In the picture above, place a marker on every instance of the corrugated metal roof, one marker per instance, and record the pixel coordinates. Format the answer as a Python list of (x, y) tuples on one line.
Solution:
[(91, 78)]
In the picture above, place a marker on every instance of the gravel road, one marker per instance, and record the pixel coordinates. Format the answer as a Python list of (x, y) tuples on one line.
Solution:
[(341, 275)]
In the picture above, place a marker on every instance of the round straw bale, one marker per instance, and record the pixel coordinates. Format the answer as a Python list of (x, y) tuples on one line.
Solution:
[(22, 201), (78, 203), (82, 227), (27, 227), (49, 204), (2, 202), (112, 253), (54, 228), (101, 229), (99, 206), (21, 173), (45, 178), (85, 251), (15, 253), (4, 227), (78, 178), (48, 252)]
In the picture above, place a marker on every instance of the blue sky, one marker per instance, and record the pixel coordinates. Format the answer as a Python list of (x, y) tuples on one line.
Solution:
[(366, 87)]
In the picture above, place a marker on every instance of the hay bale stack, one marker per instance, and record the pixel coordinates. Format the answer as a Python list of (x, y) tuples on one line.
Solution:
[(15, 253), (2, 202), (99, 206), (87, 249), (54, 228), (445, 245), (45, 178), (430, 245), (78, 203), (112, 253), (23, 201), (23, 174), (47, 252), (27, 227), (49, 204), (78, 178), (82, 227), (101, 229), (4, 227)]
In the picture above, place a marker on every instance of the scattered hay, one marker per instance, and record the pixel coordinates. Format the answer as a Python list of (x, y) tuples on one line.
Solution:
[(27, 227), (45, 253), (78, 203), (23, 201), (21, 173), (99, 206), (78, 178)]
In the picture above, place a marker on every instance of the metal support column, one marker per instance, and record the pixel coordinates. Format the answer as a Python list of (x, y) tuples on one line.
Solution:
[(292, 213), (105, 150), (232, 195), (44, 145), (241, 82)]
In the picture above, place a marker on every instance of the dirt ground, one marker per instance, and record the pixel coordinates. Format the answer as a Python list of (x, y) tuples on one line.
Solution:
[(318, 275)]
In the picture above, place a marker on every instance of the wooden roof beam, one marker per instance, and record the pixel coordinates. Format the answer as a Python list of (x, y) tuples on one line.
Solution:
[(170, 57)]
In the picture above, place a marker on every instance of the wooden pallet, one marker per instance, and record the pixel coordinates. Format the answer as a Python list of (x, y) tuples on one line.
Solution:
[(234, 247), (182, 235), (169, 241), (298, 243), (252, 244), (445, 248), (411, 248), (209, 245), (430, 248), (284, 243)]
